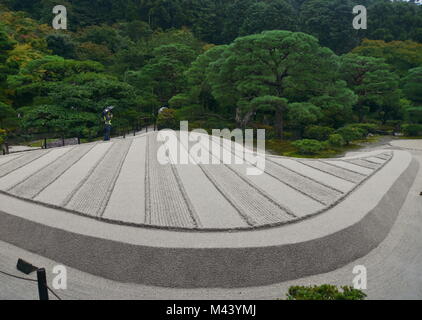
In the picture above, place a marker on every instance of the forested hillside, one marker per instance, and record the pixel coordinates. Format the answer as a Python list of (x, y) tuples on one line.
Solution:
[(294, 67)]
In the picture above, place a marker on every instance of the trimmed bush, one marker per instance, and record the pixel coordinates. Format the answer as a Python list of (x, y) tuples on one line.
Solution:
[(2, 136), (318, 133), (336, 140), (325, 292), (367, 127), (167, 120), (412, 130), (308, 146), (350, 134)]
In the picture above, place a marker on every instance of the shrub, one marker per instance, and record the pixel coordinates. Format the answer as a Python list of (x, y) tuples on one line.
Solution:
[(412, 130), (350, 133), (167, 120), (318, 133), (366, 127), (2, 136), (188, 113), (270, 133), (336, 140), (308, 146), (414, 114), (325, 292)]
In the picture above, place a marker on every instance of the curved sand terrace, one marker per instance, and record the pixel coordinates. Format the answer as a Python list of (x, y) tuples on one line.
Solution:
[(123, 182), (357, 199), (408, 144)]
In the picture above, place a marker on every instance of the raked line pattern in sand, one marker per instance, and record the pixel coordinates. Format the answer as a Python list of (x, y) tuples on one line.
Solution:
[(167, 203), (123, 182)]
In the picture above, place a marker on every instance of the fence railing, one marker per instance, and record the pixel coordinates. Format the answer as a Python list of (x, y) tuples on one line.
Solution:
[(54, 139)]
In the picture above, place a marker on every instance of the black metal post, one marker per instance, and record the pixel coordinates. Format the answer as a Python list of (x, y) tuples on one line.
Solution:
[(42, 284), (45, 143)]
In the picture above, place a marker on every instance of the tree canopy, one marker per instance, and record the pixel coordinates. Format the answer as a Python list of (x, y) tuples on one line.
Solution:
[(294, 67)]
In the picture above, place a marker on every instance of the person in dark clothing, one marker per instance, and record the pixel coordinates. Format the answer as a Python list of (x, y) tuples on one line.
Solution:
[(108, 117)]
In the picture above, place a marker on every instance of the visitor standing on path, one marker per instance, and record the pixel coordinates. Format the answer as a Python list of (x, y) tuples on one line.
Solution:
[(108, 117)]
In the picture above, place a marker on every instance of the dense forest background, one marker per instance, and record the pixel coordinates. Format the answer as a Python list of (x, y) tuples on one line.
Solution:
[(294, 67)]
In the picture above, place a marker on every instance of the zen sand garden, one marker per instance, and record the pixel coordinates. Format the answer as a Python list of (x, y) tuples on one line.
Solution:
[(113, 214)]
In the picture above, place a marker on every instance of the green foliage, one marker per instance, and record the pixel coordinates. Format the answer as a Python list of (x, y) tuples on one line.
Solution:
[(178, 53), (199, 79), (182, 36), (271, 15), (94, 51), (3, 135), (6, 45), (374, 83), (325, 292), (104, 35), (336, 141), (220, 22), (267, 65), (308, 146), (394, 20), (167, 120), (8, 116), (318, 133), (39, 72), (62, 45), (412, 130), (139, 55), (179, 100), (367, 128), (413, 114), (91, 92), (67, 96), (53, 119), (401, 55), (303, 114), (350, 134), (25, 31), (135, 30), (336, 102), (412, 85), (330, 21), (164, 75)]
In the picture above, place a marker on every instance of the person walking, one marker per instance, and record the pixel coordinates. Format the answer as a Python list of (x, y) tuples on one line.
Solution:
[(108, 117)]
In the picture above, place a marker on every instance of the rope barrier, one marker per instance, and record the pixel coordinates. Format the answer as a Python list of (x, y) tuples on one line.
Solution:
[(30, 280)]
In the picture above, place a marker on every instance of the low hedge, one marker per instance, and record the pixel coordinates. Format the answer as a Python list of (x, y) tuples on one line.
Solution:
[(318, 133), (412, 130), (325, 292), (309, 146), (351, 133), (2, 136), (336, 141)]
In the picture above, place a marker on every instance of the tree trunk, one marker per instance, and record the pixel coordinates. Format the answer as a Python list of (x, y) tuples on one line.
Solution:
[(243, 120), (279, 124)]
